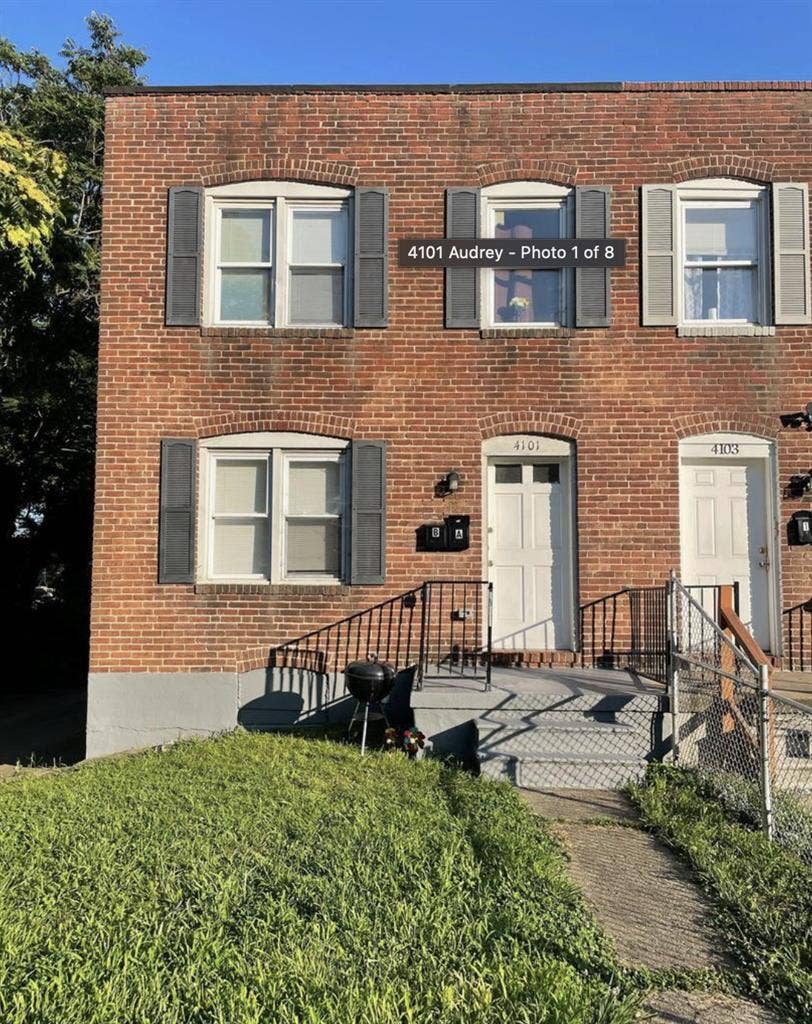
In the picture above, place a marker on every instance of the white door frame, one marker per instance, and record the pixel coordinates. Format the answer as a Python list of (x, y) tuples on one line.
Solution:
[(745, 446), (539, 448)]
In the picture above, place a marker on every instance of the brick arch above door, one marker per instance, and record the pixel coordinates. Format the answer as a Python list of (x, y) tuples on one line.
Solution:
[(699, 423), (529, 423)]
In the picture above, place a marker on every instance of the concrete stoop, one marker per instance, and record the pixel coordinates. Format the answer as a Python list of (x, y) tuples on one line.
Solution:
[(565, 750), (549, 739)]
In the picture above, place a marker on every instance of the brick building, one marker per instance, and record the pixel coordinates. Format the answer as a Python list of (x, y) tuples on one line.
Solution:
[(280, 402)]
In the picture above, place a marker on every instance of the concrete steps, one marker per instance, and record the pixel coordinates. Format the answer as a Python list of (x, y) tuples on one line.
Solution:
[(589, 741)]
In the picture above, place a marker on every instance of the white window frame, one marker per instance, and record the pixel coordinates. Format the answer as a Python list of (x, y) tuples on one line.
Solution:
[(278, 449), (289, 206), (526, 195), (280, 197), (284, 460), (218, 265), (725, 193)]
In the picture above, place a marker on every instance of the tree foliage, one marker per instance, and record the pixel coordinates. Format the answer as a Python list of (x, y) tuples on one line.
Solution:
[(52, 125)]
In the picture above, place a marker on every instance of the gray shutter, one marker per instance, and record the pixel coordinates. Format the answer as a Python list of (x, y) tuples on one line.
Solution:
[(371, 281), (461, 283), (176, 533), (660, 255), (184, 243), (368, 538), (593, 306), (791, 253)]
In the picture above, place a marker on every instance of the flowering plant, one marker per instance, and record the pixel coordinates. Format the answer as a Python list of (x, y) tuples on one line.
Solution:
[(517, 305), (411, 741)]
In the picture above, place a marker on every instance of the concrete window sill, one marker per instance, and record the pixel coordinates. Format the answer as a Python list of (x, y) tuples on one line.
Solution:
[(727, 331), (277, 332)]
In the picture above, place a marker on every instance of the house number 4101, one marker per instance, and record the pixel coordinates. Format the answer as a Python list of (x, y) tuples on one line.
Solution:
[(725, 449), (526, 446)]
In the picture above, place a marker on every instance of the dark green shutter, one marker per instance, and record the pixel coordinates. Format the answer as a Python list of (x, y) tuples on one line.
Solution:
[(593, 306), (368, 538), (176, 533), (791, 253), (371, 284), (184, 244), (462, 283)]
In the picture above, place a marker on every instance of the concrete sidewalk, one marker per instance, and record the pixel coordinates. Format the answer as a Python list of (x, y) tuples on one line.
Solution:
[(646, 901)]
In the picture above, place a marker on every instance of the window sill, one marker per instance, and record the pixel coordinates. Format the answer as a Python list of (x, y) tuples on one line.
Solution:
[(525, 332), (277, 332), (726, 331), (274, 589)]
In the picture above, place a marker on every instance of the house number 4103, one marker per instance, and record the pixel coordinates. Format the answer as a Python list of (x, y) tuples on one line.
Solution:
[(725, 449)]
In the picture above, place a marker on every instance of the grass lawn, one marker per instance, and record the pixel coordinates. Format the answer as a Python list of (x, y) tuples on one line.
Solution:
[(289, 881), (763, 892)]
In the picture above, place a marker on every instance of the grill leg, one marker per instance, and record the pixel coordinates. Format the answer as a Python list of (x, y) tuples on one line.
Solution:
[(364, 729)]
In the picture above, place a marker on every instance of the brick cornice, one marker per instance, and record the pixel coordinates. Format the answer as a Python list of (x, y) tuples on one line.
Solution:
[(701, 423), (508, 422), (557, 172), (300, 421), (723, 165), (325, 172)]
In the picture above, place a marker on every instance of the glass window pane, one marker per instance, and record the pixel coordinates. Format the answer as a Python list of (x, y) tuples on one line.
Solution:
[(245, 295), (527, 296), (314, 488), (511, 223), (509, 474), (245, 236), (319, 236), (713, 233), (240, 486), (314, 546), (241, 548), (317, 296), (722, 293), (545, 474)]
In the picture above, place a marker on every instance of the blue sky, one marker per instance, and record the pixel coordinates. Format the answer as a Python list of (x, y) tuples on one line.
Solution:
[(256, 41)]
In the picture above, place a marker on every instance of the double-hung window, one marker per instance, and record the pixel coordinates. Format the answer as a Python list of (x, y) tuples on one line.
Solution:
[(278, 255), (276, 515), (722, 249), (520, 212)]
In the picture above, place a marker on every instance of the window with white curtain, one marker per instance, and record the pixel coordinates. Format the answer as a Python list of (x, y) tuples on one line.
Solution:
[(722, 236), (275, 516), (278, 254)]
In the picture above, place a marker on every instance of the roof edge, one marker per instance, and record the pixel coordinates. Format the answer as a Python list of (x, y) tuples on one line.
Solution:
[(463, 88)]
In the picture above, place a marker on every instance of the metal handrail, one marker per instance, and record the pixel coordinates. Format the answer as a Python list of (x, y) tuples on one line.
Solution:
[(799, 638)]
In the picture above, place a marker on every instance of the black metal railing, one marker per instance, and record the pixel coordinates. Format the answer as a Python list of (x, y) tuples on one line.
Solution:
[(441, 629), (628, 629), (798, 637)]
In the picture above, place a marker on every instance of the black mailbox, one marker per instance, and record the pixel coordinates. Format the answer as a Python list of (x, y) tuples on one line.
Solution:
[(801, 527), (457, 532), (431, 537)]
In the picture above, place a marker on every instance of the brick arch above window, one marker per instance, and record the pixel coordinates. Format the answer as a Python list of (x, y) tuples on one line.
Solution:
[(305, 169), (295, 422), (723, 165), (551, 424), (557, 172), (699, 423)]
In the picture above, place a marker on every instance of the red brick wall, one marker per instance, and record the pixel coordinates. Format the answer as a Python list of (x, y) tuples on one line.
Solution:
[(626, 394)]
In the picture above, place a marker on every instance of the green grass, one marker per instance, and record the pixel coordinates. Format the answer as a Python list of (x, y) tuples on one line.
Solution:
[(289, 881), (763, 893)]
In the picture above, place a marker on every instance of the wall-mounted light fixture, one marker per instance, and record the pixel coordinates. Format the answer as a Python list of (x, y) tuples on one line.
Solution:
[(799, 419), (449, 484), (800, 485)]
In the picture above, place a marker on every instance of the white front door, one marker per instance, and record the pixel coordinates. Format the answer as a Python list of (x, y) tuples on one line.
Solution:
[(529, 558), (724, 533)]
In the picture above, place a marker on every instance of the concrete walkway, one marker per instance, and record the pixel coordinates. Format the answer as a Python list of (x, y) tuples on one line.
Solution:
[(646, 900)]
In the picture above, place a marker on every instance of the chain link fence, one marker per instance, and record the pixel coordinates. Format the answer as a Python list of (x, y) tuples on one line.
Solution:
[(751, 749)]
